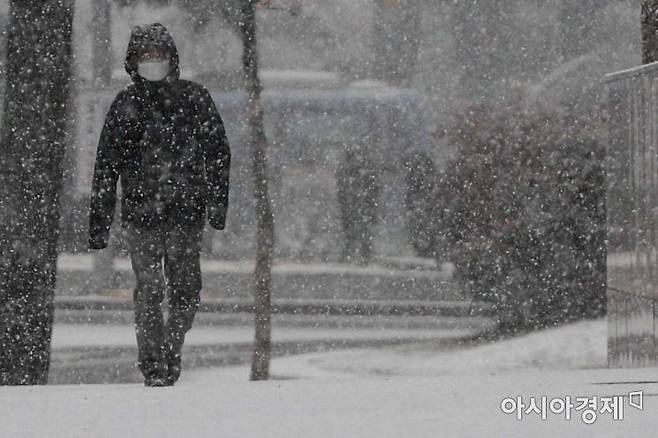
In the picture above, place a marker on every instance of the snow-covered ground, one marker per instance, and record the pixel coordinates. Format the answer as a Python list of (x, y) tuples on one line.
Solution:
[(580, 345), (393, 392), (576, 346), (75, 335), (448, 406)]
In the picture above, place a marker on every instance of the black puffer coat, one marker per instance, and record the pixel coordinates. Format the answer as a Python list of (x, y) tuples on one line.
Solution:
[(166, 142)]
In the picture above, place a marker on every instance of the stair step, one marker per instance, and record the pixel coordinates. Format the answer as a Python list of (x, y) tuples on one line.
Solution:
[(299, 306)]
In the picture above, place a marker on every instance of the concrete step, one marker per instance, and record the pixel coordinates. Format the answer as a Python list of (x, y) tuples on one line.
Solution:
[(355, 323), (317, 281), (298, 306)]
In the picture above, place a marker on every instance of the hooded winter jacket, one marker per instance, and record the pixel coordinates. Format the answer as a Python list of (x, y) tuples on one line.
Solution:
[(166, 143)]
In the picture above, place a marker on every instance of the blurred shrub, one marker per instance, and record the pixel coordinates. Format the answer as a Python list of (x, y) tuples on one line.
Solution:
[(523, 214)]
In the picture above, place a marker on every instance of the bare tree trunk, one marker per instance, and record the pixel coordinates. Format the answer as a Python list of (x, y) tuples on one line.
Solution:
[(396, 33), (649, 31), (102, 56), (104, 275), (265, 233), (31, 153)]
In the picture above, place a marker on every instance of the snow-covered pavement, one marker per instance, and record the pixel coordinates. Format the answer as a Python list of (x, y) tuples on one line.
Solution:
[(106, 353), (418, 391), (459, 405), (576, 346), (580, 345)]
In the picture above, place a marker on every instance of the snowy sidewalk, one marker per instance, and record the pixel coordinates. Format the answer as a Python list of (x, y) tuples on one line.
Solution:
[(449, 406), (106, 353), (410, 391), (575, 346)]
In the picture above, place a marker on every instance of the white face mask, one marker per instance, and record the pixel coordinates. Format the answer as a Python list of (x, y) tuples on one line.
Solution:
[(153, 70)]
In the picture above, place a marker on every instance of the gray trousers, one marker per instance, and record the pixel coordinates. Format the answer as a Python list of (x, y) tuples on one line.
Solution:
[(160, 342)]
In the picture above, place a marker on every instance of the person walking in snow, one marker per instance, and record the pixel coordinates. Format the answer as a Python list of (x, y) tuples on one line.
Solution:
[(165, 141), (358, 189)]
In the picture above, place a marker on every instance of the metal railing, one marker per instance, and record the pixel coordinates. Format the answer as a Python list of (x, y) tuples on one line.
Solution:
[(631, 330), (632, 207)]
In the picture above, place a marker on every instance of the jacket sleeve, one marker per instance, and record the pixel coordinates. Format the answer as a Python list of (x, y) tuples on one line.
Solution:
[(217, 157), (106, 174)]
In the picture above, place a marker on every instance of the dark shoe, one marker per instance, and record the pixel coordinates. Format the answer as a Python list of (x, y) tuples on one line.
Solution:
[(153, 367), (173, 370), (155, 381)]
